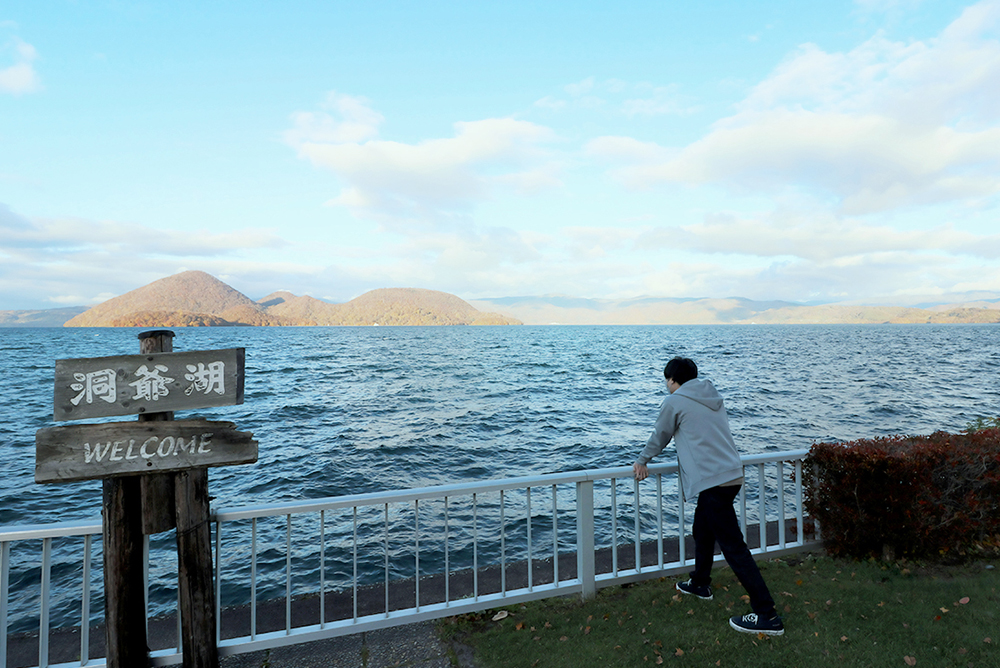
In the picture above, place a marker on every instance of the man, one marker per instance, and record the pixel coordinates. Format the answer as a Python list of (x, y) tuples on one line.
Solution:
[(693, 415)]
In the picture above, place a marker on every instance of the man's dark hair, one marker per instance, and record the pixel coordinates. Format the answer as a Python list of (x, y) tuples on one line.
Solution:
[(681, 370)]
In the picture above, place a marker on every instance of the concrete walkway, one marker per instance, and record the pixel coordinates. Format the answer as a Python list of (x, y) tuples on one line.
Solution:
[(412, 645)]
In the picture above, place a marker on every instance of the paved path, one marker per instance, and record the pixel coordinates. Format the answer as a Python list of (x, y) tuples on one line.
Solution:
[(412, 645)]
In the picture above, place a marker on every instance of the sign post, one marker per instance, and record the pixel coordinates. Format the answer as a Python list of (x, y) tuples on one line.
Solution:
[(155, 475)]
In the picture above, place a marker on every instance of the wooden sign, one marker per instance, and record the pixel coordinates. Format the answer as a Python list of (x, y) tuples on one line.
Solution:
[(89, 451), (156, 382)]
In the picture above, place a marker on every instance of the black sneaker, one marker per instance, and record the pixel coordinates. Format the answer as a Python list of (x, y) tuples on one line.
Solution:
[(701, 591), (754, 623)]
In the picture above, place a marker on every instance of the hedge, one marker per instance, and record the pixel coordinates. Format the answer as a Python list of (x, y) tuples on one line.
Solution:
[(906, 496)]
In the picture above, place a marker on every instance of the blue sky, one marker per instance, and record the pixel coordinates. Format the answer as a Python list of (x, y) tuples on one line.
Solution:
[(813, 152)]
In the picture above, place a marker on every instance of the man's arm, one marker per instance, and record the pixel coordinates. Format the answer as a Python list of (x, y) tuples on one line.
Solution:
[(663, 431)]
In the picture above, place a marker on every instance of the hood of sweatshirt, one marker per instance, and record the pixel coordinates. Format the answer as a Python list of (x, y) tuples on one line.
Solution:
[(702, 391)]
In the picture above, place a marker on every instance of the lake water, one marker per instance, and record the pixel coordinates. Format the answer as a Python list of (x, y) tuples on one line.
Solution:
[(349, 410)]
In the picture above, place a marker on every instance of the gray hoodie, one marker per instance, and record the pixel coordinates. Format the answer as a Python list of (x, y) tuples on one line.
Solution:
[(696, 419)]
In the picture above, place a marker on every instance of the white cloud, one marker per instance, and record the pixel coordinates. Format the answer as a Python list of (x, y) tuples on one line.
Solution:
[(354, 121), (883, 126), (63, 236), (620, 97), (429, 181), (815, 237), (19, 77)]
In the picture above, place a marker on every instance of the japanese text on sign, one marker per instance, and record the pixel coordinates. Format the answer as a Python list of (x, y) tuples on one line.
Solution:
[(142, 383)]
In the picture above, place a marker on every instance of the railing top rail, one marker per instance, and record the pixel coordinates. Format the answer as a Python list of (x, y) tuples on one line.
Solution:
[(93, 526), (466, 489), (56, 530)]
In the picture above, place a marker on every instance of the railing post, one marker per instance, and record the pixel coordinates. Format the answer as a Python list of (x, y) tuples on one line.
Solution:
[(585, 564), (4, 584)]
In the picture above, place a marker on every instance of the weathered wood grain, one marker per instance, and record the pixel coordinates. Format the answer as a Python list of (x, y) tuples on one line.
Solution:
[(148, 383), (158, 513), (91, 451)]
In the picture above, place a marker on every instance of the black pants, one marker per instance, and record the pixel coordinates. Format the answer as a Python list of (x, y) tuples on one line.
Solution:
[(715, 521)]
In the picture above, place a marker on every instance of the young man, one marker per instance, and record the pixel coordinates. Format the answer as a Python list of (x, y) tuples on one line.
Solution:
[(694, 417)]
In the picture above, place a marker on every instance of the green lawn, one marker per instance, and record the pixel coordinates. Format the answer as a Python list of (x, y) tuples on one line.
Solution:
[(837, 613)]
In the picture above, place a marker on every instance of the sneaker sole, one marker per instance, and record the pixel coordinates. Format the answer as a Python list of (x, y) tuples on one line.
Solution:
[(767, 632), (691, 593)]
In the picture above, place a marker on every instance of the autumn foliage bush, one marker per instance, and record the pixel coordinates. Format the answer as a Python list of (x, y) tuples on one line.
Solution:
[(907, 496)]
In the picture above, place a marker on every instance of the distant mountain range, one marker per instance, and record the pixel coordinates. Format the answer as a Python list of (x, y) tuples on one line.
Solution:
[(731, 311), (194, 298)]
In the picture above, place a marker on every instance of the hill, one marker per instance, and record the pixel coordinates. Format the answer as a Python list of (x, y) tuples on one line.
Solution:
[(190, 292), (548, 310), (197, 299), (53, 317)]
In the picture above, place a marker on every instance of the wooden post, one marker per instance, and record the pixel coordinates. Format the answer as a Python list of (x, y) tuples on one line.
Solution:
[(135, 499), (157, 489), (194, 569), (124, 586)]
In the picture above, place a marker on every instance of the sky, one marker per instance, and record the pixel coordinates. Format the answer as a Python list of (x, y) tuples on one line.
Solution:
[(806, 151)]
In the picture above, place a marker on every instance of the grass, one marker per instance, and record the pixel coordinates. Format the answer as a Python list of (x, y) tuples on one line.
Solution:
[(837, 613)]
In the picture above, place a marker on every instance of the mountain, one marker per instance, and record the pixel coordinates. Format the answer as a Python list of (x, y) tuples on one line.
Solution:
[(197, 299), (194, 298), (53, 317), (190, 292), (556, 309)]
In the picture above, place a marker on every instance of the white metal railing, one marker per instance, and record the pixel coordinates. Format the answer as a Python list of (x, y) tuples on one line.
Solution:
[(301, 571)]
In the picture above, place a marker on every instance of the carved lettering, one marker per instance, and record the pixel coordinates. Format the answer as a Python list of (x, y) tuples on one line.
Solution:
[(95, 453)]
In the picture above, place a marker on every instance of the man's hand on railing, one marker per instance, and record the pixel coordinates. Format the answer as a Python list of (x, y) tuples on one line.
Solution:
[(641, 471)]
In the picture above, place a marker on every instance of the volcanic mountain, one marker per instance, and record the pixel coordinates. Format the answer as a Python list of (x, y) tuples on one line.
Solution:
[(194, 298)]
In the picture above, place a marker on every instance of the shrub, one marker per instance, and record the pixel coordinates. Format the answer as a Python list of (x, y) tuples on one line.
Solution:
[(906, 496)]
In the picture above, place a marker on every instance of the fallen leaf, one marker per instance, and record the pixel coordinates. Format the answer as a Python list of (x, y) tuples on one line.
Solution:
[(719, 662), (691, 611), (500, 615), (963, 600), (798, 582), (547, 625), (987, 640), (962, 650), (679, 652), (788, 608), (788, 593), (537, 638), (945, 610), (843, 638), (519, 626), (910, 661), (586, 631), (659, 659), (563, 638)]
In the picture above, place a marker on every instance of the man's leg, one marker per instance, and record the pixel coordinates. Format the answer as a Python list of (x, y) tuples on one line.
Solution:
[(703, 531), (735, 550)]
